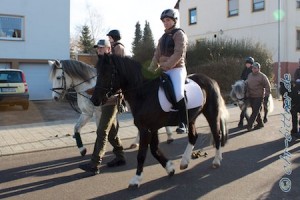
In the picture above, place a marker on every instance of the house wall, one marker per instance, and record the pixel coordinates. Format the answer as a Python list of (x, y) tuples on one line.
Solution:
[(260, 26), (46, 37), (47, 29)]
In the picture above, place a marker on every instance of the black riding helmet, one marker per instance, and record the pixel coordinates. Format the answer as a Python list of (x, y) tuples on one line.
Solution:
[(170, 13), (249, 60), (115, 34)]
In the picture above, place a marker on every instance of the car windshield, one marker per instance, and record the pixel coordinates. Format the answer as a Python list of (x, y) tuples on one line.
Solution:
[(10, 77)]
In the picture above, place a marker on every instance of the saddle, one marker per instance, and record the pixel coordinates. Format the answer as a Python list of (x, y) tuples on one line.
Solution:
[(193, 94), (167, 85)]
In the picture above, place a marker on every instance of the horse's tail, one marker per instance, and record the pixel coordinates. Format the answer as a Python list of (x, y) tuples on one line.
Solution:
[(215, 104), (224, 116), (271, 103)]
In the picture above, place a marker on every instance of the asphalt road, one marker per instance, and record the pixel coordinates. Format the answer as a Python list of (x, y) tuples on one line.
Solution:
[(251, 169)]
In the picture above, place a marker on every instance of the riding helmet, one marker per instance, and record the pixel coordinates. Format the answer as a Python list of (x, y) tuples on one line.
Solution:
[(249, 60), (256, 65), (115, 34), (170, 13)]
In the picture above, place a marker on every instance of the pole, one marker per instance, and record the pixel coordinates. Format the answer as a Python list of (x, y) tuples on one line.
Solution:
[(279, 64)]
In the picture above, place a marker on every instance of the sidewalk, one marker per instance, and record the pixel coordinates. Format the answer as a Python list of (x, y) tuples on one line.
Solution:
[(52, 135)]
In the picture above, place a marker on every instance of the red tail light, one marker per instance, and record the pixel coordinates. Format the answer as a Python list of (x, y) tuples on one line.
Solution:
[(24, 81)]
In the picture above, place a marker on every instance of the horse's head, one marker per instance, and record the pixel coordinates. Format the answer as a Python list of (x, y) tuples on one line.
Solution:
[(108, 80), (238, 91), (60, 80)]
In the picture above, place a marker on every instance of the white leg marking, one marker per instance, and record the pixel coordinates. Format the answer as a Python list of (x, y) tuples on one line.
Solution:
[(170, 168), (135, 181), (217, 160), (186, 156)]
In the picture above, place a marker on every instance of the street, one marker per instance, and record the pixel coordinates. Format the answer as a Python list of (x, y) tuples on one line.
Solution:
[(251, 169)]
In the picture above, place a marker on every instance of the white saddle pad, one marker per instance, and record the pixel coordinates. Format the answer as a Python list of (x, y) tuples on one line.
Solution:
[(193, 92)]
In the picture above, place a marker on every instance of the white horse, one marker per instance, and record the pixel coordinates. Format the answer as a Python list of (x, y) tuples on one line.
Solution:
[(237, 94), (76, 75)]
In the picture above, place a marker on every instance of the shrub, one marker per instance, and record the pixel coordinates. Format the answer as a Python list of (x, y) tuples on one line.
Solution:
[(224, 60)]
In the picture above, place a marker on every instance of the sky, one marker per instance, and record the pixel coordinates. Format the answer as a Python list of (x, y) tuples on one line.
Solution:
[(120, 14)]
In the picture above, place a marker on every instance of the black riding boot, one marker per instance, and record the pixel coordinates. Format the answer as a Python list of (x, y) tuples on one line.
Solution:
[(182, 117)]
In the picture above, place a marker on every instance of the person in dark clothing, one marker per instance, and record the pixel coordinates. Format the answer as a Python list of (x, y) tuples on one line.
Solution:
[(248, 68), (246, 71), (295, 108), (297, 73)]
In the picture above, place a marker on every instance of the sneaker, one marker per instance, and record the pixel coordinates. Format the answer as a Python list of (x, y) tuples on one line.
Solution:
[(116, 162), (181, 129), (89, 167)]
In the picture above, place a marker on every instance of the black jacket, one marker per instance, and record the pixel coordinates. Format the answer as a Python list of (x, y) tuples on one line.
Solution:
[(246, 72)]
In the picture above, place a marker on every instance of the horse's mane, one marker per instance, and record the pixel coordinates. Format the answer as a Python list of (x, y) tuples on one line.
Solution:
[(75, 69), (129, 67), (239, 87)]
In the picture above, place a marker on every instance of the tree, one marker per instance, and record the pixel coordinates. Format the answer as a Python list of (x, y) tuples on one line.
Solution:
[(143, 44), (96, 26), (86, 42), (137, 40)]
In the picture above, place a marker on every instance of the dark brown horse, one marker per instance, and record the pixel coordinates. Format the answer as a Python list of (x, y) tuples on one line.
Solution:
[(115, 73)]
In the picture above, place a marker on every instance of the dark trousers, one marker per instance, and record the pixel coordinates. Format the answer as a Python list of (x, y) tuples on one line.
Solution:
[(256, 105), (295, 120), (107, 130)]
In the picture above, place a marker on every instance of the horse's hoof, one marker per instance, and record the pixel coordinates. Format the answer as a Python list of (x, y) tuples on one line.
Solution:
[(133, 186), (182, 167), (82, 151), (169, 141), (265, 120), (215, 166), (133, 146), (171, 173)]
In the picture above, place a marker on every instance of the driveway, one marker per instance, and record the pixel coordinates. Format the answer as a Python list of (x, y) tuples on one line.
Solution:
[(39, 111)]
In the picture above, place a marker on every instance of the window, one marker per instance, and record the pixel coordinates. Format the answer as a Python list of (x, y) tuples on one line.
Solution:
[(11, 27), (298, 3), (193, 16), (298, 40), (233, 8), (258, 5)]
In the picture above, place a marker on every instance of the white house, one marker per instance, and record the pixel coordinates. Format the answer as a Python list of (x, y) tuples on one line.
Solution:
[(31, 33), (247, 19)]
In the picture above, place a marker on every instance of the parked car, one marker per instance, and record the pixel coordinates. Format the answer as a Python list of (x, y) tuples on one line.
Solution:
[(13, 88)]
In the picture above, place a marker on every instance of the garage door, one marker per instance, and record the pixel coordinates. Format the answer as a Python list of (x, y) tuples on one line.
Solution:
[(39, 84)]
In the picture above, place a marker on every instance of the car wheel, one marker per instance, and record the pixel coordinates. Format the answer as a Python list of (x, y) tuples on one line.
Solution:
[(25, 106)]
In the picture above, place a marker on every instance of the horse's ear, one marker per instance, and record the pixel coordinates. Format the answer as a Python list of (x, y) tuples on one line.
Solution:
[(57, 63), (51, 62)]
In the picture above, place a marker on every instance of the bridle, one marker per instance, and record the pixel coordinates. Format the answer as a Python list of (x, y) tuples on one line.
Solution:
[(68, 94), (61, 91)]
